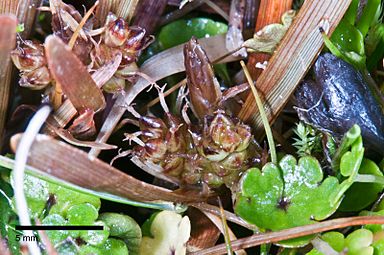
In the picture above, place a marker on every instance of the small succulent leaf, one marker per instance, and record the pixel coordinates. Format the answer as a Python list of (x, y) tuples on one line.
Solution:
[(374, 228), (359, 239), (124, 227), (359, 242), (335, 239), (170, 233)]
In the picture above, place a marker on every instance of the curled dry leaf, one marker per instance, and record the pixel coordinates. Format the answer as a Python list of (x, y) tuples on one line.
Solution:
[(267, 39), (72, 165), (69, 71)]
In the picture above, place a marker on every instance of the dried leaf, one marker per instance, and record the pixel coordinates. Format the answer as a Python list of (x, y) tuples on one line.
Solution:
[(69, 71), (269, 12), (148, 14), (204, 233), (104, 73), (7, 43), (122, 8), (67, 111), (25, 11), (234, 38), (72, 165), (267, 39)]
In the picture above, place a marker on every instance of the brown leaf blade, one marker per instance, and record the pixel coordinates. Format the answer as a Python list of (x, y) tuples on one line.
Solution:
[(73, 76), (72, 165), (293, 58), (7, 43)]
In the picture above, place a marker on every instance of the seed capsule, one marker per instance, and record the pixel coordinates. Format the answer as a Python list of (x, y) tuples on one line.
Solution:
[(36, 79), (116, 33), (29, 57)]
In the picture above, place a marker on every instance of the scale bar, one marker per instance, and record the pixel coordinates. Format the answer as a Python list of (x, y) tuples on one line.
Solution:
[(52, 227)]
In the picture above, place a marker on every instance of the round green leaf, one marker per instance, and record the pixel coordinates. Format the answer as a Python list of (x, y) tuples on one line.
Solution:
[(285, 196)]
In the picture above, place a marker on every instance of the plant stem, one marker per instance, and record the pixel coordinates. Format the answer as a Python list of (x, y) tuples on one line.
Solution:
[(369, 178), (263, 115), (273, 237)]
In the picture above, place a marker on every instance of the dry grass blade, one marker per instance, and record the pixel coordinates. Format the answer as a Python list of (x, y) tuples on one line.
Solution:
[(73, 76), (126, 9), (159, 66), (286, 234), (293, 57), (7, 43), (148, 14), (72, 165), (122, 8), (270, 11), (25, 11)]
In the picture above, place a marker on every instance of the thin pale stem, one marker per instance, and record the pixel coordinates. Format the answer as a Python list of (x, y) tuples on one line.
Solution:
[(263, 115), (71, 42), (18, 172)]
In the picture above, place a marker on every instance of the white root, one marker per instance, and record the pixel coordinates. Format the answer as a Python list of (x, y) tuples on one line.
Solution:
[(18, 172)]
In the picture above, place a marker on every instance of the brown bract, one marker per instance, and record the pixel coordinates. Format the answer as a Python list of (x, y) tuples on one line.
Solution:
[(77, 84), (202, 84)]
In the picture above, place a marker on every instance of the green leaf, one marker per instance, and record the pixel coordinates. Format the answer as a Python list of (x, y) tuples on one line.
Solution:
[(37, 194), (125, 228), (356, 243), (65, 198), (360, 195), (347, 43), (96, 237), (351, 13), (181, 31), (288, 195), (369, 16), (82, 214), (335, 240), (55, 236), (8, 217), (115, 247)]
